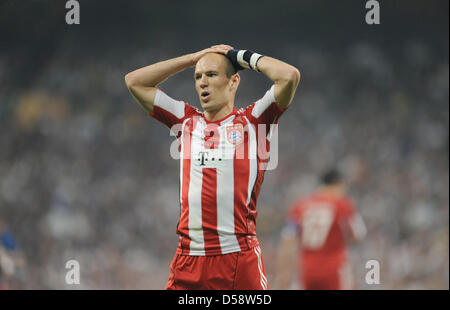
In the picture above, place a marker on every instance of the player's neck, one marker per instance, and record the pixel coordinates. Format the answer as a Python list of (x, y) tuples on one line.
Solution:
[(212, 116), (330, 191)]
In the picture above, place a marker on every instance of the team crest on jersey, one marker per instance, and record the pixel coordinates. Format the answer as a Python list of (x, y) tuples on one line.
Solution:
[(235, 134)]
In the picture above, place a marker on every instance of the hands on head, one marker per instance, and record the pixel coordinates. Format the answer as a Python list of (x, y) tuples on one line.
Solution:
[(220, 49)]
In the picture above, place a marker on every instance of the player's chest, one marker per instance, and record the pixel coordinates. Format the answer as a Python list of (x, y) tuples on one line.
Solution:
[(213, 146)]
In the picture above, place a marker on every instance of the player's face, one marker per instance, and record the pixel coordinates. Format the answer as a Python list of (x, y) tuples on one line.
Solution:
[(213, 86)]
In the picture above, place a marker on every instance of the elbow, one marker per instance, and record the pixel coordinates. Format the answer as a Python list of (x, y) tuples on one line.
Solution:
[(294, 76), (291, 77), (130, 80)]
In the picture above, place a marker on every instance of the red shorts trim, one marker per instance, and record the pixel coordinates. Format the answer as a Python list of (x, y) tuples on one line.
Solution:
[(242, 270)]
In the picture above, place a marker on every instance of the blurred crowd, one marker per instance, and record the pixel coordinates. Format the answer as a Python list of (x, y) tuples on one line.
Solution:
[(86, 175)]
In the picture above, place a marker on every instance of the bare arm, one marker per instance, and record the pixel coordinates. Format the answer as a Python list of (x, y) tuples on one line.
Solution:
[(142, 82), (285, 77), (285, 261), (355, 229)]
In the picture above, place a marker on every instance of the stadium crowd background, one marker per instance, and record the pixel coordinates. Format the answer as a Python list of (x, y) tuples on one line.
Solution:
[(86, 175)]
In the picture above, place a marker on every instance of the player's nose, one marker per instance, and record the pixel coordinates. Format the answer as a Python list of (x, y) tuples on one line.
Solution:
[(203, 81)]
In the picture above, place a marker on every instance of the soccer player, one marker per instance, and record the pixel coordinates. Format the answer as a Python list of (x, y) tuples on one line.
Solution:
[(220, 167), (323, 222)]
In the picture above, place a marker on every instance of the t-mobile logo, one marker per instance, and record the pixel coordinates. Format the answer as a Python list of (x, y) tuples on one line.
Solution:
[(210, 158), (235, 142)]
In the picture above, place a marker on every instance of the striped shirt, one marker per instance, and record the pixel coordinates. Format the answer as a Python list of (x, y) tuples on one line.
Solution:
[(220, 172)]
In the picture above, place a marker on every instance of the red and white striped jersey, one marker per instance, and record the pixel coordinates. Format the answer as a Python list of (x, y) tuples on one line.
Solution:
[(322, 222), (220, 172)]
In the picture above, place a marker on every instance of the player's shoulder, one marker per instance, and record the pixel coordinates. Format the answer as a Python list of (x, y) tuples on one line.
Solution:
[(192, 112), (242, 111), (251, 105), (243, 115), (345, 205), (300, 203), (346, 200)]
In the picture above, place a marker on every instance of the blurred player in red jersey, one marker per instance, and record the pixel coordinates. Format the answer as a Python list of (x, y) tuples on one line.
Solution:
[(321, 224), (220, 167)]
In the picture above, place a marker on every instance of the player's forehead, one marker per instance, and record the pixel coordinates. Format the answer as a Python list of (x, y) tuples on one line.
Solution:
[(210, 62)]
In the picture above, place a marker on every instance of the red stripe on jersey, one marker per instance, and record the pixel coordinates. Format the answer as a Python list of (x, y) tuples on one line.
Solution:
[(183, 225), (251, 219), (209, 211), (241, 178)]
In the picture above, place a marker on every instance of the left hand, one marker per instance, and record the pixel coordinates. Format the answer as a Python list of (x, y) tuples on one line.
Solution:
[(222, 48)]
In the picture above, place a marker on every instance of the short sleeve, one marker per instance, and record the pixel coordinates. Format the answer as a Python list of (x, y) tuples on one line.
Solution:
[(169, 111), (292, 222), (352, 219), (265, 110), (347, 208)]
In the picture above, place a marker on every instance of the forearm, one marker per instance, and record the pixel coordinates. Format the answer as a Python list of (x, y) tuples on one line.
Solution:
[(285, 77), (142, 82), (278, 71), (285, 261), (152, 75)]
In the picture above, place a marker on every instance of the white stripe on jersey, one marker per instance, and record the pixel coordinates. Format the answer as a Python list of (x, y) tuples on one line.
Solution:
[(183, 126), (225, 197), (262, 104), (197, 244), (171, 105)]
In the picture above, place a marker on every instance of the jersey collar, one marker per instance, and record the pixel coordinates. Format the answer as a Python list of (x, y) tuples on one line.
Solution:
[(222, 120)]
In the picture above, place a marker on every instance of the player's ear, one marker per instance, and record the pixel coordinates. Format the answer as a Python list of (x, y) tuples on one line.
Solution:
[(234, 81)]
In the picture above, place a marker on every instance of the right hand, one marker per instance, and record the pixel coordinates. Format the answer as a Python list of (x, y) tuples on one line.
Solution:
[(221, 49)]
